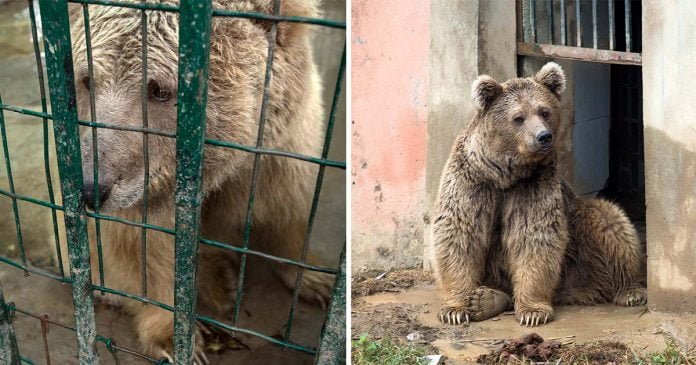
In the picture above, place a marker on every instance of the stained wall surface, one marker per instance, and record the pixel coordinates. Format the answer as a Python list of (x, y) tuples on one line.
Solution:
[(669, 55), (390, 42)]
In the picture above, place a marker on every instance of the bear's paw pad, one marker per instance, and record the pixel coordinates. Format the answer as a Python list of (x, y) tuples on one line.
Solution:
[(484, 303)]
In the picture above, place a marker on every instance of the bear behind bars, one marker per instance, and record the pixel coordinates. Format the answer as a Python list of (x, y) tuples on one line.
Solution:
[(507, 224), (294, 123)]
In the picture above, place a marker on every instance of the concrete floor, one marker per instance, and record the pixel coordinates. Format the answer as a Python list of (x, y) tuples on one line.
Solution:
[(266, 303), (642, 330)]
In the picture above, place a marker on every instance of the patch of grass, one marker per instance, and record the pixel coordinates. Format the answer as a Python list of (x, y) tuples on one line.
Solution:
[(367, 351), (671, 355)]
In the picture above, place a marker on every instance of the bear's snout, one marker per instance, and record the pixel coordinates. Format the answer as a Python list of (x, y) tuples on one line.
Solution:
[(88, 192), (544, 138)]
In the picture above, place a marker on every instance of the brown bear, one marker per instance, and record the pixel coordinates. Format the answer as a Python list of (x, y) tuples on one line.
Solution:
[(294, 123), (507, 224)]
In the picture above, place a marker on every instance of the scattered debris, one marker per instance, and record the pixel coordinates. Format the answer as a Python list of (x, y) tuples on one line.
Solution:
[(435, 359), (529, 347), (395, 281)]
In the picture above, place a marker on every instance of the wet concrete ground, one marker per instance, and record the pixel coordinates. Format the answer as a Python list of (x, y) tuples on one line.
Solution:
[(642, 330), (266, 303)]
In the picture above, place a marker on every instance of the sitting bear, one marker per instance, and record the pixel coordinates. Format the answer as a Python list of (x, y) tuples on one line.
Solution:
[(507, 223)]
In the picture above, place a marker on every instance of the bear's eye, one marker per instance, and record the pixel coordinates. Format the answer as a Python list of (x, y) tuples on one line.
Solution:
[(519, 120), (86, 81), (158, 93), (545, 114)]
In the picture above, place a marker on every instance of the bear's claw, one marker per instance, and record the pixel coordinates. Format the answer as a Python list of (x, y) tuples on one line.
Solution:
[(533, 318), (631, 297), (454, 316)]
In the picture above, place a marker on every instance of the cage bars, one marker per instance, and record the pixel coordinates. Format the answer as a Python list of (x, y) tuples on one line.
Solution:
[(10, 181), (64, 108), (95, 142), (46, 154), (65, 128), (194, 54), (257, 161), (144, 97), (531, 46), (317, 191)]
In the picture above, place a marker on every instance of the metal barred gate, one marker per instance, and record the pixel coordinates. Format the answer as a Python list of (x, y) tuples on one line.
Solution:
[(194, 39)]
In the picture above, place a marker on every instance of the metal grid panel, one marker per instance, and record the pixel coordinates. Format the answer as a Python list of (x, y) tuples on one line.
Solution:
[(534, 17), (195, 17)]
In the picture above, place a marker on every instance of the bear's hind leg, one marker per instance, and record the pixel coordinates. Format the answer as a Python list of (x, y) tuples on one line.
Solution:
[(610, 250)]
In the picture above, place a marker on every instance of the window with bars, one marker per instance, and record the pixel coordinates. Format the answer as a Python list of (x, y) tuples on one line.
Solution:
[(194, 43), (584, 30)]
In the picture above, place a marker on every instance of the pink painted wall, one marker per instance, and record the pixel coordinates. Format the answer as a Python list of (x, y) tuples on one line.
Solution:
[(390, 48)]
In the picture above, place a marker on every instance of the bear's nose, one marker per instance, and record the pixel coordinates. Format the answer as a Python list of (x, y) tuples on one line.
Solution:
[(88, 192), (544, 138)]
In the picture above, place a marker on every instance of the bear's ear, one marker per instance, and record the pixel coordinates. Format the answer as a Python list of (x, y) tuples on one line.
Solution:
[(485, 90), (552, 76), (289, 32)]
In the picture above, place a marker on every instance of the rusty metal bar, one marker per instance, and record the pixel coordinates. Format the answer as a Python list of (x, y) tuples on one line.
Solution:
[(532, 19), (579, 54), (594, 24), (612, 26), (578, 25), (549, 9), (627, 23)]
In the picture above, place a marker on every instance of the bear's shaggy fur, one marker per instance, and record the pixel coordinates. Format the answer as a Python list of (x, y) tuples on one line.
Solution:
[(507, 223), (294, 123)]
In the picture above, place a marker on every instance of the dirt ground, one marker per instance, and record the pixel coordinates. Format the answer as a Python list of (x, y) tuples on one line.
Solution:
[(412, 313), (266, 302)]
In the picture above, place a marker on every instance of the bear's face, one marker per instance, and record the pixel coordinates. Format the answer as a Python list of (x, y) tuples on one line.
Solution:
[(519, 117), (238, 53)]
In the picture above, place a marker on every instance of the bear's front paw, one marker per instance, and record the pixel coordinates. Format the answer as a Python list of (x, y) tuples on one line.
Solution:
[(453, 315), (631, 297), (164, 349), (484, 303), (531, 317)]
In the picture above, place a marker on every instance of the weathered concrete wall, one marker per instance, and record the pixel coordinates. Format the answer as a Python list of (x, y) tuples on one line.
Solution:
[(669, 35), (389, 89), (467, 38)]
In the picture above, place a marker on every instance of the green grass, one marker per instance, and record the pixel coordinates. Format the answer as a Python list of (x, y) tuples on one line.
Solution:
[(671, 355), (367, 351)]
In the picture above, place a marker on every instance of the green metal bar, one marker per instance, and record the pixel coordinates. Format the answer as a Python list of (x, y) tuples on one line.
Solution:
[(220, 13), (9, 352), (146, 151), (36, 271), (194, 45), (46, 155), (257, 161), (333, 335), (95, 142), (30, 200), (210, 141), (61, 82), (317, 191), (108, 342), (204, 241), (10, 180)]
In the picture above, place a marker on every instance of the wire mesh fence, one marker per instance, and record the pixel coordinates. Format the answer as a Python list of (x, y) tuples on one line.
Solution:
[(195, 19)]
